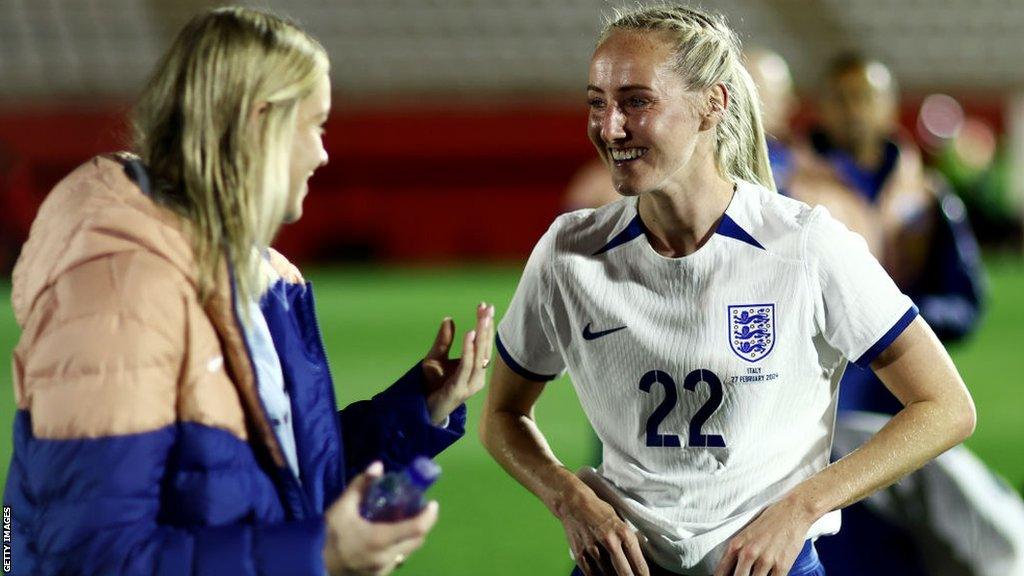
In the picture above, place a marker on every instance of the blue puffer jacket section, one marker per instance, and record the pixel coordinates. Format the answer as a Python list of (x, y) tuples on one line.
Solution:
[(192, 499)]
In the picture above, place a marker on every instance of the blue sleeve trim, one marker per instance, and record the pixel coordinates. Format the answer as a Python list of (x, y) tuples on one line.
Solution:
[(868, 357), (633, 230), (517, 368), (728, 227)]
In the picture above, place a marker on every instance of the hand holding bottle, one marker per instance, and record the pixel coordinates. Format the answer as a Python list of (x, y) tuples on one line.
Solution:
[(400, 495), (354, 546)]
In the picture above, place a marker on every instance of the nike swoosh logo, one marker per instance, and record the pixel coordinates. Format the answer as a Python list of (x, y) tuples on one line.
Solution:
[(588, 335)]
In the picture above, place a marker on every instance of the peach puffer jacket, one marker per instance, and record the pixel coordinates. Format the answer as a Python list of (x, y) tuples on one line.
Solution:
[(141, 444)]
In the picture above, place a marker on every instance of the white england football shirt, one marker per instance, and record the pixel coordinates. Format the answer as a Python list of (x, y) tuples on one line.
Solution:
[(711, 380)]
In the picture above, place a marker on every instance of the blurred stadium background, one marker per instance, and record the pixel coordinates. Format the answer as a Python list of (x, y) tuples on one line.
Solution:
[(457, 125)]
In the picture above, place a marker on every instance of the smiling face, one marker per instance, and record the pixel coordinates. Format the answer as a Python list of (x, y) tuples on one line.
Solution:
[(643, 120), (308, 151)]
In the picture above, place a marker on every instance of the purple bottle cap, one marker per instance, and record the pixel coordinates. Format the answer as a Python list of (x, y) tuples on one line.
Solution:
[(423, 472)]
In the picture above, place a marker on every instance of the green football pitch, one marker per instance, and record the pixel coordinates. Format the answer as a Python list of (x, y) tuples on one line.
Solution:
[(379, 321)]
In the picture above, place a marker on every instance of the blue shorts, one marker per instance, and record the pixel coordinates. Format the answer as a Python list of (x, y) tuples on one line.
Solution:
[(806, 564)]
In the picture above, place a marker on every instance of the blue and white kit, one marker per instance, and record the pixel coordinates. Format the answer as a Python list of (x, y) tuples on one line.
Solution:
[(711, 379)]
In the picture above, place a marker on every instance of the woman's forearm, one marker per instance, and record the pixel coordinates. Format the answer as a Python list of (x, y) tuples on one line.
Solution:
[(511, 435), (938, 414), (518, 445), (915, 435)]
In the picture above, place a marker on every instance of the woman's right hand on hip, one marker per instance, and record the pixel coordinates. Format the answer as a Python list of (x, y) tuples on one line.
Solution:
[(602, 543)]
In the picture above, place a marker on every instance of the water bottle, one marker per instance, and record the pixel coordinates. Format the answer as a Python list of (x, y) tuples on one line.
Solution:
[(399, 495)]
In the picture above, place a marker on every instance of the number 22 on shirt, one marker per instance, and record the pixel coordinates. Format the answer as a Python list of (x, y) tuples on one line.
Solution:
[(696, 438)]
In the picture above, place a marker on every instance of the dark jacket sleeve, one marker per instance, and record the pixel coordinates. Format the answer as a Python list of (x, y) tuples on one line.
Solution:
[(395, 427), (951, 291)]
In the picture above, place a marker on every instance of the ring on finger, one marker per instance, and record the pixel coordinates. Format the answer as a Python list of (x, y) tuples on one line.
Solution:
[(487, 362), (399, 560)]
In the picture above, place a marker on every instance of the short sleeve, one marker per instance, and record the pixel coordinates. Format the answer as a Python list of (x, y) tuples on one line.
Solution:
[(861, 311), (526, 338)]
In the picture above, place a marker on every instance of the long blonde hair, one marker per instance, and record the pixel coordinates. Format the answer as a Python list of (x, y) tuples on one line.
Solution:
[(213, 126), (707, 52)]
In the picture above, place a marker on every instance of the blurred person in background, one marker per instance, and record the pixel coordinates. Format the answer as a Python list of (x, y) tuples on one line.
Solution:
[(176, 413), (726, 471), (928, 246), (794, 168), (954, 516)]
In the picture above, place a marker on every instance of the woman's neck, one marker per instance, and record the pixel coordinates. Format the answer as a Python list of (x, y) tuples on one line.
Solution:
[(681, 218)]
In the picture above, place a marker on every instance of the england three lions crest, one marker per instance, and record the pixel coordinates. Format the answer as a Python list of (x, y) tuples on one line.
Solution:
[(752, 330)]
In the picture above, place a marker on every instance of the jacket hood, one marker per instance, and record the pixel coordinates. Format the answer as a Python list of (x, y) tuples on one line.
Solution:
[(96, 211)]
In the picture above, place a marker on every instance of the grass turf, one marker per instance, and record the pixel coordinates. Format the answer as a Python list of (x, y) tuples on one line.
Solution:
[(379, 321)]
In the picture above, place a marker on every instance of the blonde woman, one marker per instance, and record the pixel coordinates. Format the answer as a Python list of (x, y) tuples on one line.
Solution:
[(176, 414), (705, 322)]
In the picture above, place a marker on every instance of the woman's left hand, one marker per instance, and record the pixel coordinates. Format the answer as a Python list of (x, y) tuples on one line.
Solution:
[(769, 544), (449, 382)]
